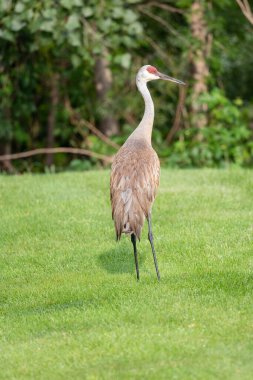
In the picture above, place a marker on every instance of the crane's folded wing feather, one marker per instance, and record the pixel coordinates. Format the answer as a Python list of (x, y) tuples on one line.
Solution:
[(134, 182)]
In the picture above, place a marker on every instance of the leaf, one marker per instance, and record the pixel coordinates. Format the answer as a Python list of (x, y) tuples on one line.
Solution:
[(33, 47), (19, 7), (16, 25), (124, 60), (47, 26), (73, 22), (49, 13), (136, 28), (76, 60), (238, 102), (6, 5), (29, 14), (6, 35), (130, 16), (78, 3), (105, 25), (68, 4), (87, 11), (118, 12), (74, 39)]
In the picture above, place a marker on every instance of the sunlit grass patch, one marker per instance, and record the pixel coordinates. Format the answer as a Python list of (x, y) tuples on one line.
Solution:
[(70, 303)]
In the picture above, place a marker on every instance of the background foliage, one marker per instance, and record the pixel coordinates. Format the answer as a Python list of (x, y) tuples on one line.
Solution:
[(66, 63)]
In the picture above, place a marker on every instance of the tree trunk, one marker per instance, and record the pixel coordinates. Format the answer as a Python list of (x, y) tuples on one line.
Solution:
[(199, 56), (54, 100), (246, 10), (5, 148), (103, 81), (5, 143)]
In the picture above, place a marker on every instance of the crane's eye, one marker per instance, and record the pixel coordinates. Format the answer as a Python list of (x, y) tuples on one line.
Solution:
[(152, 70)]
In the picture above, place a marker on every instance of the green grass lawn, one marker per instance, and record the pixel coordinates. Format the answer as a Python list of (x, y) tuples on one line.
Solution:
[(71, 307)]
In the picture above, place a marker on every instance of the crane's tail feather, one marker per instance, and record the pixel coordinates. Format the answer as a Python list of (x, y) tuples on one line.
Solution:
[(128, 217)]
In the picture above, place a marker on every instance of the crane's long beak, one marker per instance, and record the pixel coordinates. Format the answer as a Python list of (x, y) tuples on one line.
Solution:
[(166, 77)]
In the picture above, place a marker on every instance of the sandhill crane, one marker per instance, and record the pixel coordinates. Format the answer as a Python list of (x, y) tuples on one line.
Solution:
[(135, 172)]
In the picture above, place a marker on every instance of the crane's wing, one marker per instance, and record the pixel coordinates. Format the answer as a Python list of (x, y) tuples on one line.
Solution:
[(134, 182)]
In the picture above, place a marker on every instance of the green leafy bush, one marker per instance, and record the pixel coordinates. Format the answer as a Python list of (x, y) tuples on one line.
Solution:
[(225, 140)]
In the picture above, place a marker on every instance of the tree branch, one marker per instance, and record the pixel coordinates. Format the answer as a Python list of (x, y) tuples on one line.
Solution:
[(76, 119), (164, 6), (246, 10), (154, 17), (34, 152), (157, 48), (162, 22)]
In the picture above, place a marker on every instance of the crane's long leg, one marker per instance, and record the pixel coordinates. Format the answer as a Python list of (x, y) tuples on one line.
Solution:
[(133, 240), (151, 240)]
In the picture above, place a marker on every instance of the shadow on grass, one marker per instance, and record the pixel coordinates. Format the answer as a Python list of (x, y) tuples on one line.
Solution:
[(120, 259)]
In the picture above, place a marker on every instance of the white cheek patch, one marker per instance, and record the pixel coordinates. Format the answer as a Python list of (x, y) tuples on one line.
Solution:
[(148, 76)]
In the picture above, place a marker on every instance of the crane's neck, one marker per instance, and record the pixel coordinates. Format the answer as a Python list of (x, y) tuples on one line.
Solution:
[(144, 129)]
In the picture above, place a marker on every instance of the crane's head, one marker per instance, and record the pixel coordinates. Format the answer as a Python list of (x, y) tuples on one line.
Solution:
[(148, 73)]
